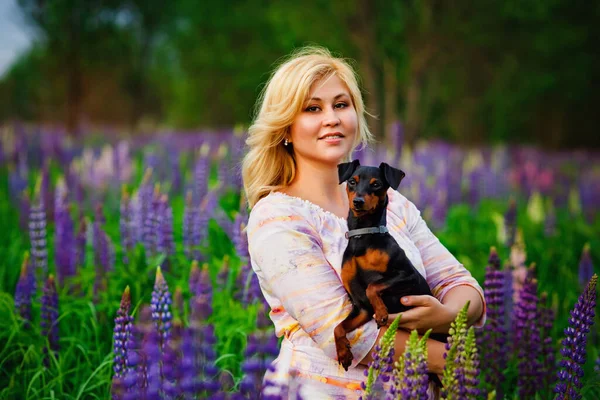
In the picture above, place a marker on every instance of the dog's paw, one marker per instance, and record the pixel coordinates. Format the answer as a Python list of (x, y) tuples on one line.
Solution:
[(381, 319), (345, 356)]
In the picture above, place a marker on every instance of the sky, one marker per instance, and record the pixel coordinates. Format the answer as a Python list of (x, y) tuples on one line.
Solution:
[(15, 37)]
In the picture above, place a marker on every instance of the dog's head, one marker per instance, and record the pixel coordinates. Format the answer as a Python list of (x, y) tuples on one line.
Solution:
[(367, 186)]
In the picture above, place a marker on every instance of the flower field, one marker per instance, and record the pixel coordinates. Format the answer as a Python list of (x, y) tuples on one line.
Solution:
[(125, 274)]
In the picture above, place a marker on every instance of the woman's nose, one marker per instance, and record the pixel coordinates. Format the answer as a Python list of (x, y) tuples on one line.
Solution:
[(330, 118)]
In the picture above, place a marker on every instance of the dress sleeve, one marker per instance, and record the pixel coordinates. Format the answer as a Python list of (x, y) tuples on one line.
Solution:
[(443, 270), (287, 256)]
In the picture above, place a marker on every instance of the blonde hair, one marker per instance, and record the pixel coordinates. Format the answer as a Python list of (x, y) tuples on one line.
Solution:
[(268, 165)]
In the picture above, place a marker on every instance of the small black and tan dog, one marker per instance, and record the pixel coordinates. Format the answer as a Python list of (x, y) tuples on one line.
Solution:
[(375, 270)]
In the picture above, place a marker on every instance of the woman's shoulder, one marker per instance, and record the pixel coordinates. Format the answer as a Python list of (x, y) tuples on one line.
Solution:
[(397, 201), (279, 206), (399, 205)]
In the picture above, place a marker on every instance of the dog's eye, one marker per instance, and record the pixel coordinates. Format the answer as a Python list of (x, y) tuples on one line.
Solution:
[(351, 182), (376, 185)]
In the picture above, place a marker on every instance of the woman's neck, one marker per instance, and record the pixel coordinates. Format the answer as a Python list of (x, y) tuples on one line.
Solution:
[(320, 185)]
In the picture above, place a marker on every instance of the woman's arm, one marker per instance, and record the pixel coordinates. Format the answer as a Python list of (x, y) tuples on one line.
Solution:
[(435, 351), (430, 313), (450, 282), (457, 297)]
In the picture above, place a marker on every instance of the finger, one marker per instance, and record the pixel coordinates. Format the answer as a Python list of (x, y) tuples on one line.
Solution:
[(416, 301), (410, 316)]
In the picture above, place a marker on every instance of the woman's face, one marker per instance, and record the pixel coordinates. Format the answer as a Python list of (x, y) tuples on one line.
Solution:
[(325, 128)]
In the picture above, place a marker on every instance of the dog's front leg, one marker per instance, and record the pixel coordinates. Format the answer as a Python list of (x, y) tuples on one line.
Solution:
[(374, 295), (342, 344)]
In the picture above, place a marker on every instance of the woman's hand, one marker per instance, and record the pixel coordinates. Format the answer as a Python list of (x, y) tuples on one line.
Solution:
[(428, 313)]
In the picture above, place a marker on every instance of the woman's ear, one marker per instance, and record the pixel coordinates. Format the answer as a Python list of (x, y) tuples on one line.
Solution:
[(345, 170)]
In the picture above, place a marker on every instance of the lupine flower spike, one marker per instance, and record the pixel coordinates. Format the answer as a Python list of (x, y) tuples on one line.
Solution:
[(25, 291), (574, 345), (412, 378), (122, 331), (49, 319), (161, 306), (453, 371), (527, 336), (494, 331), (383, 352)]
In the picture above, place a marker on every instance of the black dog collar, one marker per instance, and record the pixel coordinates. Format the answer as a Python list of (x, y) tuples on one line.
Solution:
[(365, 231)]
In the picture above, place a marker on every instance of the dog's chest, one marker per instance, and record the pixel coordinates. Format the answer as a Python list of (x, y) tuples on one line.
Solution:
[(335, 243)]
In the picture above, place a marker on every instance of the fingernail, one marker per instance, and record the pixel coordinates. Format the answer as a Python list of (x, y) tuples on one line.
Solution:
[(405, 299)]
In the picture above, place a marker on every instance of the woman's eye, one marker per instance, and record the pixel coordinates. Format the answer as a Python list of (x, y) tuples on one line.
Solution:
[(341, 105), (312, 108)]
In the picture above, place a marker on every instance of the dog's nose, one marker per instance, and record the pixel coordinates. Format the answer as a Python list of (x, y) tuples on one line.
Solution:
[(358, 202)]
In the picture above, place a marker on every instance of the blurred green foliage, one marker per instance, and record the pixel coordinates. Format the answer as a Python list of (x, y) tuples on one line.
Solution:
[(469, 72)]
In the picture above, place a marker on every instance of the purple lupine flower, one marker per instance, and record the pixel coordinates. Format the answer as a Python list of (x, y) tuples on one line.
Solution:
[(510, 222), (152, 223), (223, 220), (37, 236), (548, 352), (240, 237), (49, 319), (188, 379), (586, 266), (202, 172), (64, 234), (25, 291), (126, 224), (223, 274), (411, 379), (381, 365), (152, 347), (493, 340), (203, 352), (527, 337), (134, 381), (597, 366), (165, 242), (24, 210), (161, 306), (143, 207), (508, 299), (190, 216), (261, 350), (102, 254), (207, 209), (80, 243), (574, 345), (468, 371), (46, 192), (201, 284), (121, 333), (223, 171), (171, 363)]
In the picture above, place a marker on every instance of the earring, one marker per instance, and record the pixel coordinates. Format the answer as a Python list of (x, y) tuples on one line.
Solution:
[(286, 142)]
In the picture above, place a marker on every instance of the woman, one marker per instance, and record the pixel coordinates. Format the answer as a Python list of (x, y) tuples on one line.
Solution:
[(310, 118)]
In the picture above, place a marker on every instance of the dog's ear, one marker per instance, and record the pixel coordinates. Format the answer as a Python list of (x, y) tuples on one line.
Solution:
[(392, 175), (345, 170)]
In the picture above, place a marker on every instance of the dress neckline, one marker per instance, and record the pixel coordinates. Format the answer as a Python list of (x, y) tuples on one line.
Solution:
[(310, 204)]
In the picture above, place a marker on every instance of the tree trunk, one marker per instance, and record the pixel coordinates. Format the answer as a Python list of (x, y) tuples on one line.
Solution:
[(390, 96), (362, 31), (74, 81)]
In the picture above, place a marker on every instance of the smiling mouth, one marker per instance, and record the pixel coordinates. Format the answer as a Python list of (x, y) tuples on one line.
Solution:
[(333, 136)]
